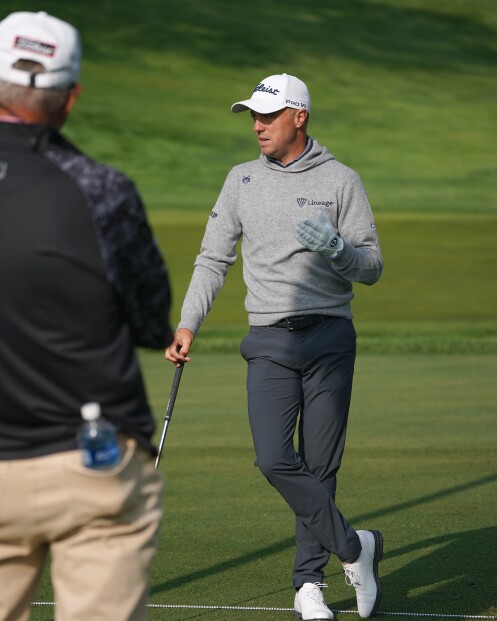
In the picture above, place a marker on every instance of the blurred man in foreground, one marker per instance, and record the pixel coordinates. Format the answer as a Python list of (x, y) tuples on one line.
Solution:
[(83, 283)]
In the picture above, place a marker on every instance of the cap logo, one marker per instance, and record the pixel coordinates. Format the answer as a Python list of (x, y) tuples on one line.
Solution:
[(299, 104), (37, 47), (261, 87)]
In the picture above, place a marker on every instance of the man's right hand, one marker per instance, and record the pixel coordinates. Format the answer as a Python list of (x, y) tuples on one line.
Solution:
[(177, 352)]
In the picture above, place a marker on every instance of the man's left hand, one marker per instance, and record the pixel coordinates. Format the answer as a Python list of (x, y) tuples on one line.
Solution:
[(320, 236)]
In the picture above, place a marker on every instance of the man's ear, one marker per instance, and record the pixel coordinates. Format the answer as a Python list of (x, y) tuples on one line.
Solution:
[(72, 97), (74, 93), (300, 118)]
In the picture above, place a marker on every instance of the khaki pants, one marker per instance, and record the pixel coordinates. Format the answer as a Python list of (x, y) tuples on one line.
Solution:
[(101, 528)]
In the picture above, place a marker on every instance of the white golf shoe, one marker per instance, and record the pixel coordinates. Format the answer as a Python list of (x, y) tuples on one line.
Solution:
[(363, 574), (309, 603)]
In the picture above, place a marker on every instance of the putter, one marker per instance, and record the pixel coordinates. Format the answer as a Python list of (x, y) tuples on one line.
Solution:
[(169, 409)]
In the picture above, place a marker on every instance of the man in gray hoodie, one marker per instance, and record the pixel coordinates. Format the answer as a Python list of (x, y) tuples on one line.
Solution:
[(308, 234)]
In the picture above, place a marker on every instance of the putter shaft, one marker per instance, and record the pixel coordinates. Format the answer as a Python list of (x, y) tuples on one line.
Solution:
[(169, 410)]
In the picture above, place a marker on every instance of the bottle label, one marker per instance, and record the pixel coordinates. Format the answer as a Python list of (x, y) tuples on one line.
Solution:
[(103, 457)]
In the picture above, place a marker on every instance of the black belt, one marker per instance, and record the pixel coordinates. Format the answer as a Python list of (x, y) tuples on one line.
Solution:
[(300, 322)]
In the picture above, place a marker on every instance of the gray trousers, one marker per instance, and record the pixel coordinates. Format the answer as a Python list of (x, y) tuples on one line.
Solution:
[(309, 372)]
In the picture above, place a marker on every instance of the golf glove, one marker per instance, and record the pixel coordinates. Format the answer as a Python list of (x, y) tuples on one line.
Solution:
[(319, 236)]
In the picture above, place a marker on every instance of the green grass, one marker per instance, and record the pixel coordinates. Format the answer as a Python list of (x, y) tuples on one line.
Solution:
[(420, 464), (410, 468), (438, 292), (404, 92)]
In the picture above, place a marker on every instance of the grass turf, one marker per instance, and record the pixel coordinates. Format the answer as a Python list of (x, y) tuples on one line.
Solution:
[(410, 469), (438, 292), (405, 93), (420, 465)]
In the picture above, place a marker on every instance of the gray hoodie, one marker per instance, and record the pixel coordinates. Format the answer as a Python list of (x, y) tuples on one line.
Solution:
[(262, 201)]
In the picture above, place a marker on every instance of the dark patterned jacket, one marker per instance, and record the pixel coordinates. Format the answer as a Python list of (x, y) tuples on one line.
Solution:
[(82, 284)]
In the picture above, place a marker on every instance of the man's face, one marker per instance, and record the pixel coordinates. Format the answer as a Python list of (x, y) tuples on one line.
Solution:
[(278, 133)]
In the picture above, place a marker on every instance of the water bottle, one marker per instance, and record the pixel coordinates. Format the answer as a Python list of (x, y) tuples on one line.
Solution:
[(97, 439)]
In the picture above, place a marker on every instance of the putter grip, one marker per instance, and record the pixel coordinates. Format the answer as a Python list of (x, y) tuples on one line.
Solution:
[(174, 391)]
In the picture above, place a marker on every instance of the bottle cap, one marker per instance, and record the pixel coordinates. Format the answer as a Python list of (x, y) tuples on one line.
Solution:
[(90, 411)]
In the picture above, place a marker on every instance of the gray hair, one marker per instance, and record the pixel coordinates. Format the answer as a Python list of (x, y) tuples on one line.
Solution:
[(46, 102)]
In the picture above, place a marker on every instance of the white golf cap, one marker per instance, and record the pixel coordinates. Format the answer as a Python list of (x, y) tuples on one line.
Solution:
[(42, 38), (275, 93)]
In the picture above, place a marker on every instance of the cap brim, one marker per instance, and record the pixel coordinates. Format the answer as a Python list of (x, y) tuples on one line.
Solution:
[(261, 106)]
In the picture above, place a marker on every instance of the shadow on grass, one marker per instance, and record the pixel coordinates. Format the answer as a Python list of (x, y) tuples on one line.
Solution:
[(409, 504), (230, 34), (461, 570), (455, 564)]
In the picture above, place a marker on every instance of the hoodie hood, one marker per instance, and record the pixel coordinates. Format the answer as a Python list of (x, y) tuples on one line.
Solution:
[(313, 155)]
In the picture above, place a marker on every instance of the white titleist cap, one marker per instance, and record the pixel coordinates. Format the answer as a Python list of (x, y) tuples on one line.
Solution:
[(42, 38), (275, 93)]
